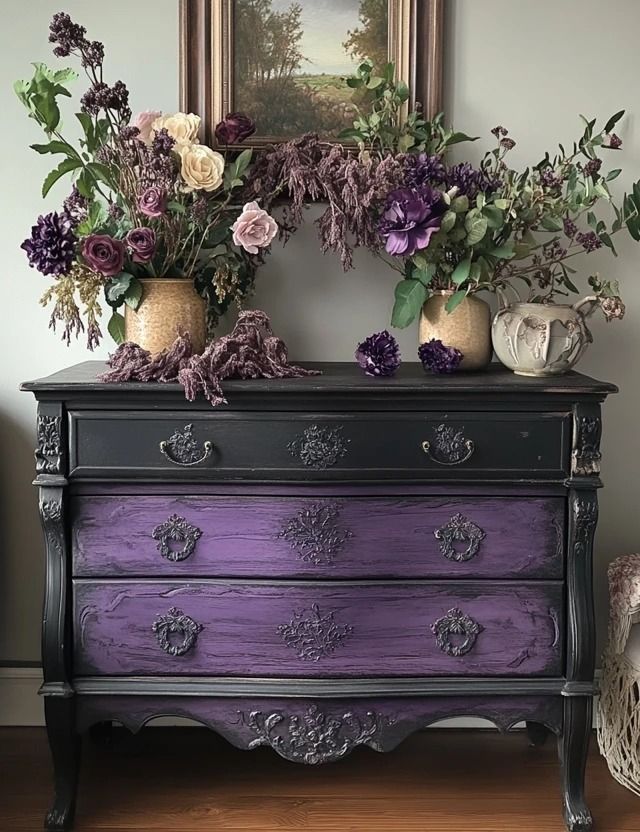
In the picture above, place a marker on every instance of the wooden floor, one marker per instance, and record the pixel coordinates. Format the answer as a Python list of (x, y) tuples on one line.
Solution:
[(188, 780)]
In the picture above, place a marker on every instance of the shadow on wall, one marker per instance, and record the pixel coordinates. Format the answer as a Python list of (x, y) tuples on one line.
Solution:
[(19, 533)]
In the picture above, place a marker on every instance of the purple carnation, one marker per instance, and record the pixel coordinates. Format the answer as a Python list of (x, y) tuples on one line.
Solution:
[(410, 219), (379, 354), (439, 359), (142, 244), (51, 248), (104, 254)]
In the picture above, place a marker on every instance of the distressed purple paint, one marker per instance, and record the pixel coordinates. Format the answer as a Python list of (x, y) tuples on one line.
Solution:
[(381, 630), (352, 537)]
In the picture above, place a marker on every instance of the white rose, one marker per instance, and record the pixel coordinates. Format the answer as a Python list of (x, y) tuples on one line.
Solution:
[(182, 127), (202, 168)]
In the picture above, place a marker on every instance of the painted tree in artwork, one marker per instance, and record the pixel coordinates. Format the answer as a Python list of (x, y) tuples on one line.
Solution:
[(369, 40), (267, 43)]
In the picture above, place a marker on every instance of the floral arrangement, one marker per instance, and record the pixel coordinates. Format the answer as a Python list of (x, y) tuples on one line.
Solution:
[(147, 200), (452, 227)]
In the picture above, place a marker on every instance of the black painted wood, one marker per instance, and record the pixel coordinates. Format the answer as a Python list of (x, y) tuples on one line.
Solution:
[(93, 436)]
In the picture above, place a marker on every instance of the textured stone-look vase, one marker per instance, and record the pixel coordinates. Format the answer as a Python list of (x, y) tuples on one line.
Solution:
[(467, 328), (168, 307), (538, 339)]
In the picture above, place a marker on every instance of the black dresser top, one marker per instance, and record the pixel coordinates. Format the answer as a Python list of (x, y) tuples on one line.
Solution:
[(340, 378)]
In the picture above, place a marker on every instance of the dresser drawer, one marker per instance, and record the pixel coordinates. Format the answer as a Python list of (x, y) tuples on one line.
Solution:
[(324, 537), (280, 445), (310, 630)]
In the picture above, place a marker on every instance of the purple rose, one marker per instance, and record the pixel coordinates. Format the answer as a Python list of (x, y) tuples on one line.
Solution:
[(236, 127), (153, 201), (410, 219), (142, 244), (104, 254)]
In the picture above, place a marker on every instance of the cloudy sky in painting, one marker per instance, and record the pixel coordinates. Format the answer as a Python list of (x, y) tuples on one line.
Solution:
[(325, 24)]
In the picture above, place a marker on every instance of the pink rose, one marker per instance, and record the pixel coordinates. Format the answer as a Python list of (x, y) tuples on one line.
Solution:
[(143, 122), (254, 228)]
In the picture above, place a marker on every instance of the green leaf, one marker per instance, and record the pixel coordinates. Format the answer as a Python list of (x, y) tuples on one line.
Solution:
[(116, 327), (425, 275), (118, 287), (461, 271), (420, 261), (55, 147), (354, 83), (66, 166), (476, 226), (448, 221), (410, 296), (602, 192), (351, 133), (405, 142), (242, 162), (133, 295), (402, 91), (176, 207), (613, 174), (502, 204), (455, 300), (550, 223), (494, 215), (460, 204), (613, 121), (503, 252), (64, 76), (456, 138), (374, 82)]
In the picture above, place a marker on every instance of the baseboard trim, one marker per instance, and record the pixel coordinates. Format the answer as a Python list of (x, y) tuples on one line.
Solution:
[(20, 704)]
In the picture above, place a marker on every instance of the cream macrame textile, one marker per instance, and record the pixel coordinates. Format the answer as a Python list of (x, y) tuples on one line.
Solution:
[(619, 705)]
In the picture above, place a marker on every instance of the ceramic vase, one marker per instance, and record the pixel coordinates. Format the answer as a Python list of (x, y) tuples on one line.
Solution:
[(467, 328)]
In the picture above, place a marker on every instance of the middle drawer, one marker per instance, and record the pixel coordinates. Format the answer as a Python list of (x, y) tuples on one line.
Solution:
[(323, 537)]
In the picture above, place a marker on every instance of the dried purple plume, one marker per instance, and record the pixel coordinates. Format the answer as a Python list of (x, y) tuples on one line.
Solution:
[(379, 354), (438, 358)]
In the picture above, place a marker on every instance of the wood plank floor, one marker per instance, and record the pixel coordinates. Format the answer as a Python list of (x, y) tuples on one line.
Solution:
[(187, 779)]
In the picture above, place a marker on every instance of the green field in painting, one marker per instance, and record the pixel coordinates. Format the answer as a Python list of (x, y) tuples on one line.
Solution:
[(332, 88)]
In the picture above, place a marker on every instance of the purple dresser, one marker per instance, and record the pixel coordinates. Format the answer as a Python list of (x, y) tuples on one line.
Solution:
[(322, 564)]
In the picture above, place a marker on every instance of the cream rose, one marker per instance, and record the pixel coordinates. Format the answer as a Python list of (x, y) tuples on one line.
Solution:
[(202, 168), (254, 228), (182, 127)]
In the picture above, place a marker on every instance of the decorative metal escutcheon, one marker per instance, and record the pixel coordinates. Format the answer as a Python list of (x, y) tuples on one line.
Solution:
[(176, 530), (459, 529), (182, 449), (449, 446), (456, 632), (177, 633)]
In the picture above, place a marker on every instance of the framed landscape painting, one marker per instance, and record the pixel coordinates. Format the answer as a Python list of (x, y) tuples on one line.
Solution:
[(285, 63)]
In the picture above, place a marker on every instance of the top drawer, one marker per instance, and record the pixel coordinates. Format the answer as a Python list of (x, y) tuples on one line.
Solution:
[(272, 446)]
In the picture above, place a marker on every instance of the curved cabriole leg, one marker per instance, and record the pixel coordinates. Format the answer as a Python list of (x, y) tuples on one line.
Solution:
[(573, 747), (65, 750), (537, 734)]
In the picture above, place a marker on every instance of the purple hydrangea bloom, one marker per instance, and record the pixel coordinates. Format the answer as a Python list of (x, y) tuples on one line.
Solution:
[(438, 358), (379, 354), (423, 170), (470, 181), (410, 219), (51, 248)]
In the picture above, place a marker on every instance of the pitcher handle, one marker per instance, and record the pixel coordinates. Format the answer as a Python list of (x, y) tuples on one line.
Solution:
[(578, 307)]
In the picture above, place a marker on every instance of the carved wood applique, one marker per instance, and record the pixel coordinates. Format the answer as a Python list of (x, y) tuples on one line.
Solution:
[(313, 737), (315, 533), (313, 635), (318, 447), (49, 451), (585, 455)]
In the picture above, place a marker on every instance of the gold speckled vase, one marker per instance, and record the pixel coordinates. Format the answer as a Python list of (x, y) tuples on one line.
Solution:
[(467, 328), (168, 307)]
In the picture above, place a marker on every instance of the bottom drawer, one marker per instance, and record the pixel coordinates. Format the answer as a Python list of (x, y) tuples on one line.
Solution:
[(308, 629)]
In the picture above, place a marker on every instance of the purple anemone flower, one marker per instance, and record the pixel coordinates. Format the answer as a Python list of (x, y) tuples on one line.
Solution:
[(410, 219), (438, 358), (379, 354)]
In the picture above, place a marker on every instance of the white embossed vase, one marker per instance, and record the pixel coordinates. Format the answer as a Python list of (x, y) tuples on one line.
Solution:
[(542, 339)]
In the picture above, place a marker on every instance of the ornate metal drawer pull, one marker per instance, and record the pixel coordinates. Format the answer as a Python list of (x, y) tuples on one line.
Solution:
[(456, 623), (176, 529), (315, 533), (458, 529), (182, 449), (449, 447), (176, 623)]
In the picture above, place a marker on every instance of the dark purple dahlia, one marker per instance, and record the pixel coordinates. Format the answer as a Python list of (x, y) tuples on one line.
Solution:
[(379, 354), (51, 248), (410, 219), (438, 358)]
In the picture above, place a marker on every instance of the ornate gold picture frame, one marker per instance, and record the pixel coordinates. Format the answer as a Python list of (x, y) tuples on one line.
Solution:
[(209, 59)]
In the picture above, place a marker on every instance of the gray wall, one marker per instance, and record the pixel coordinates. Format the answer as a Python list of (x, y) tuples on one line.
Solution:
[(530, 66)]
